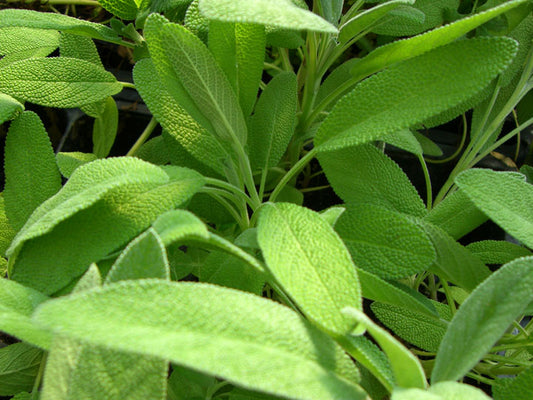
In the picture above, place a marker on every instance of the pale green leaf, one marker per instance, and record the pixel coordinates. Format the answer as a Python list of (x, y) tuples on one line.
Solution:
[(379, 180), (155, 151), (18, 43), (213, 330), (9, 108), (299, 256), (497, 251), (483, 318), (429, 148), (332, 214), (399, 97), (442, 391), (17, 303), (178, 225), (400, 22), (383, 242), (272, 125), (68, 162), (104, 205), (404, 139), (517, 388), (57, 81), (55, 21), (505, 200), (278, 13), (90, 279), (105, 128), (19, 364), (125, 9), (32, 175), (195, 22)]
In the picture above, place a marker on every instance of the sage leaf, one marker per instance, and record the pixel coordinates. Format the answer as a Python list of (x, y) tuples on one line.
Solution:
[(497, 251), (178, 225), (331, 9), (58, 22), (19, 364), (378, 105), (17, 303), (18, 43), (185, 384), (7, 233), (278, 13), (99, 197), (57, 82), (125, 9), (214, 330), (299, 256), (380, 181), (196, 23), (441, 391), (519, 387), (68, 162), (272, 125), (505, 200), (9, 107), (105, 128), (32, 175), (483, 318), (383, 242)]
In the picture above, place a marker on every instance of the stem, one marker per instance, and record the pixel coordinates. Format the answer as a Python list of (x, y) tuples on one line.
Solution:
[(480, 378), (295, 170), (314, 189), (458, 151), (243, 225), (516, 345), (127, 85), (449, 297), (427, 178), (144, 136)]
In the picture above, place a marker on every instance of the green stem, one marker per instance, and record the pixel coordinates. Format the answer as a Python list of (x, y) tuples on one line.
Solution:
[(215, 194), (230, 188), (314, 189), (295, 170), (449, 297), (458, 151), (427, 178), (127, 85), (480, 378), (516, 345), (144, 136)]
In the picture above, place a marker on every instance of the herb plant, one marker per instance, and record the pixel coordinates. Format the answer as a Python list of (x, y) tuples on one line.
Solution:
[(188, 267)]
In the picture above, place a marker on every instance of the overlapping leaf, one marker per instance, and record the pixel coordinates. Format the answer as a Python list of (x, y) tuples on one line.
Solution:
[(9, 107), (18, 43), (497, 251), (19, 364)]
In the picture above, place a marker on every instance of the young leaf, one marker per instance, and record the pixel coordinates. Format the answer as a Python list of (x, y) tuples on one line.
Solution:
[(278, 13), (68, 162), (178, 225), (299, 256), (483, 318), (383, 242), (105, 128), (104, 205), (505, 200), (517, 388), (17, 43), (19, 364), (444, 77), (195, 22), (125, 9), (9, 107), (58, 82), (380, 180), (497, 251), (58, 22), (32, 175), (214, 330), (272, 125), (17, 303)]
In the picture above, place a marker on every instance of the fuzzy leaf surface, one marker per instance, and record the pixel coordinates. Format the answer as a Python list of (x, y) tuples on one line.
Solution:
[(483, 318), (9, 107), (32, 175), (278, 13), (18, 43), (517, 388), (213, 330), (19, 364), (497, 251), (7, 233), (105, 128), (299, 256), (414, 90), (125, 9), (69, 161), (441, 391), (58, 81)]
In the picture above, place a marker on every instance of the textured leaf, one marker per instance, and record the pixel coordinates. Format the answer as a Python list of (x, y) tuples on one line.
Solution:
[(68, 162), (331, 10), (403, 19), (456, 215), (497, 252), (518, 388), (404, 139), (299, 256), (105, 129), (9, 107), (213, 330), (17, 303), (428, 147), (185, 384), (483, 318), (58, 22), (154, 151), (383, 242), (336, 78), (505, 200), (399, 98), (272, 125), (379, 180), (17, 43), (104, 205), (441, 391), (278, 13), (125, 9), (177, 225), (19, 364), (195, 22), (7, 233), (32, 175), (57, 82)]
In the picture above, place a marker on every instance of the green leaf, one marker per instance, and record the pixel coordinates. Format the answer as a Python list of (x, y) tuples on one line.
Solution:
[(125, 9), (58, 82), (105, 129), (19, 364), (380, 180), (272, 125), (401, 22), (186, 384), (58, 22), (405, 366), (383, 242), (7, 233), (336, 78), (144, 257), (517, 388), (505, 200), (9, 108), (483, 318), (90, 279), (195, 22), (278, 13), (32, 175), (104, 205), (17, 303), (331, 9), (414, 90), (299, 256), (155, 151), (214, 330), (454, 263), (456, 215), (239, 49), (17, 43), (68, 162), (441, 391), (405, 139), (497, 252), (428, 146), (400, 50), (178, 225), (22, 396)]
